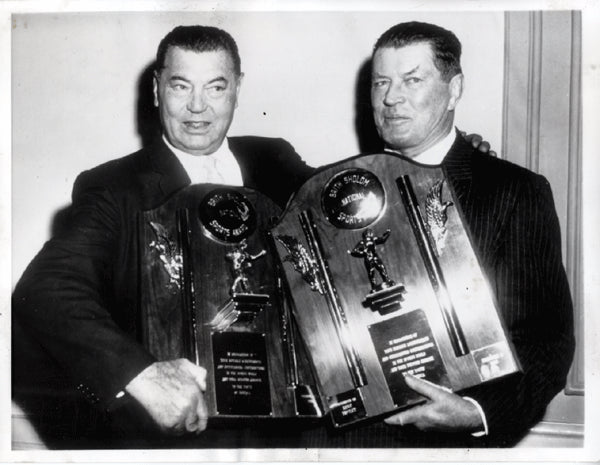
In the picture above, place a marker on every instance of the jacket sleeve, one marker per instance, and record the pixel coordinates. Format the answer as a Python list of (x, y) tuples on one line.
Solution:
[(63, 299), (534, 299)]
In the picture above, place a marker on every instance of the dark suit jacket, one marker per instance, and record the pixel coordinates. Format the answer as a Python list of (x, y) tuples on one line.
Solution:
[(76, 304), (513, 225)]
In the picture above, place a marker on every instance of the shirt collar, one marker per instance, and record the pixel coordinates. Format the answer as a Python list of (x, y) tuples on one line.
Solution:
[(433, 155), (219, 167)]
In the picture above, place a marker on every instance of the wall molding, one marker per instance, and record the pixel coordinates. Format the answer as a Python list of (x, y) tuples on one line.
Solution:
[(559, 429), (534, 90), (542, 126), (575, 383)]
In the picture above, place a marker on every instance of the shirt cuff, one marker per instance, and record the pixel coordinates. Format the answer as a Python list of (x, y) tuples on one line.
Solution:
[(485, 431)]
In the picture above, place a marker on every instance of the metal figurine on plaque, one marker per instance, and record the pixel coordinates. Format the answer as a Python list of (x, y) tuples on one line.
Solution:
[(385, 296), (212, 292), (243, 306), (386, 282)]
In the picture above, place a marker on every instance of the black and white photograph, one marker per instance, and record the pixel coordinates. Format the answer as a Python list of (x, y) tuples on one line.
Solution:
[(269, 231)]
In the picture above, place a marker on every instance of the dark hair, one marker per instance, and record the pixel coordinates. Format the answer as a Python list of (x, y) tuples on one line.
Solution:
[(445, 45), (198, 39)]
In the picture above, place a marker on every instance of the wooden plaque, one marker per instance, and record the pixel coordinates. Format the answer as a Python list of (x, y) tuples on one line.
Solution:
[(211, 292), (385, 282)]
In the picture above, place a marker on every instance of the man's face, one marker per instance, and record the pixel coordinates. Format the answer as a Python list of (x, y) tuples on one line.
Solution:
[(196, 93), (412, 105)]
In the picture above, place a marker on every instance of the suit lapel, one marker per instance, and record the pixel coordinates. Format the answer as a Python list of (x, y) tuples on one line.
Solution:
[(486, 197), (243, 159), (458, 168), (163, 176)]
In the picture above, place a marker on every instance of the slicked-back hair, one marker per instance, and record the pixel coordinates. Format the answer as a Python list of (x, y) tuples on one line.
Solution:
[(445, 45), (199, 39)]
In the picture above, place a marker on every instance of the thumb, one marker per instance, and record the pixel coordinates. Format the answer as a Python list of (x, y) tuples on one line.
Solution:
[(198, 373)]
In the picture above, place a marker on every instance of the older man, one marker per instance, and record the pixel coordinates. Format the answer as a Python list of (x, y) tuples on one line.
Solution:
[(77, 301), (416, 85)]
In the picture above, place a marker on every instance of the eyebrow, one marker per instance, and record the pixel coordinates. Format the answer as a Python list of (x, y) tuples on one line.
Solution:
[(408, 73), (176, 77), (412, 71), (218, 79)]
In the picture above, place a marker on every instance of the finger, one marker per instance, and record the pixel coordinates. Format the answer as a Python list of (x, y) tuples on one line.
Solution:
[(484, 147), (202, 414), (192, 423), (178, 429), (475, 139), (397, 420), (407, 417), (493, 153), (426, 388)]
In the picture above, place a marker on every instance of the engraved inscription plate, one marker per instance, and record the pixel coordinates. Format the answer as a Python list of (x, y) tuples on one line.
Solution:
[(241, 374), (405, 344), (347, 407), (494, 361), (353, 199), (227, 215)]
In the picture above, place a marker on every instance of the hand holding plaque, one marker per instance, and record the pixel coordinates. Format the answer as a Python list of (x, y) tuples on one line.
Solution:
[(443, 411), (172, 393)]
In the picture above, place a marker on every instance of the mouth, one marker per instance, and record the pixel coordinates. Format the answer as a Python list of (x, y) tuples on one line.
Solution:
[(396, 119), (195, 126)]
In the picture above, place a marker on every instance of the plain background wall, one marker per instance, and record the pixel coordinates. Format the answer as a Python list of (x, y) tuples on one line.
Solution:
[(75, 90)]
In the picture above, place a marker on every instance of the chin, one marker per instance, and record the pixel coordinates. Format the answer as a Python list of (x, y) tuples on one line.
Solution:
[(395, 143)]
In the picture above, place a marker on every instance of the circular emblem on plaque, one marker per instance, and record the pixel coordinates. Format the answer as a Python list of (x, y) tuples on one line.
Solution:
[(353, 199), (227, 215)]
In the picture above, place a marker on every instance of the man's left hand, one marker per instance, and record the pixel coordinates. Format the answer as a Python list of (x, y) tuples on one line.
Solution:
[(443, 411)]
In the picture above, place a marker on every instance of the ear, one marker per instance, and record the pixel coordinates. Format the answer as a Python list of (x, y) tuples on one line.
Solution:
[(238, 86), (155, 79), (455, 86)]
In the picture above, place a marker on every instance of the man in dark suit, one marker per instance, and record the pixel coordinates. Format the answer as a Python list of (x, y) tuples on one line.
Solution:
[(416, 85), (77, 301)]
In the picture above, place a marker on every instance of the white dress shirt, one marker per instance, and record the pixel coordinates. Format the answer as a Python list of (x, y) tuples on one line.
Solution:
[(433, 155), (220, 167)]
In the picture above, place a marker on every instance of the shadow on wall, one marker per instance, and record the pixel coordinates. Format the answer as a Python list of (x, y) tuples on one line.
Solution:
[(147, 119), (364, 125), (147, 127)]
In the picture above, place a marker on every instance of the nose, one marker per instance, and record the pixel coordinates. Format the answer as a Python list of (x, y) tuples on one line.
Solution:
[(396, 93), (197, 102)]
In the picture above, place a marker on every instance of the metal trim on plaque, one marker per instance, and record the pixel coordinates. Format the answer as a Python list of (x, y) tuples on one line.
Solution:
[(436, 216), (353, 199), (434, 270), (302, 262), (169, 255), (227, 216)]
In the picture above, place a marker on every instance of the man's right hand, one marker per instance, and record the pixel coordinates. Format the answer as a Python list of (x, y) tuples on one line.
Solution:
[(171, 392)]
